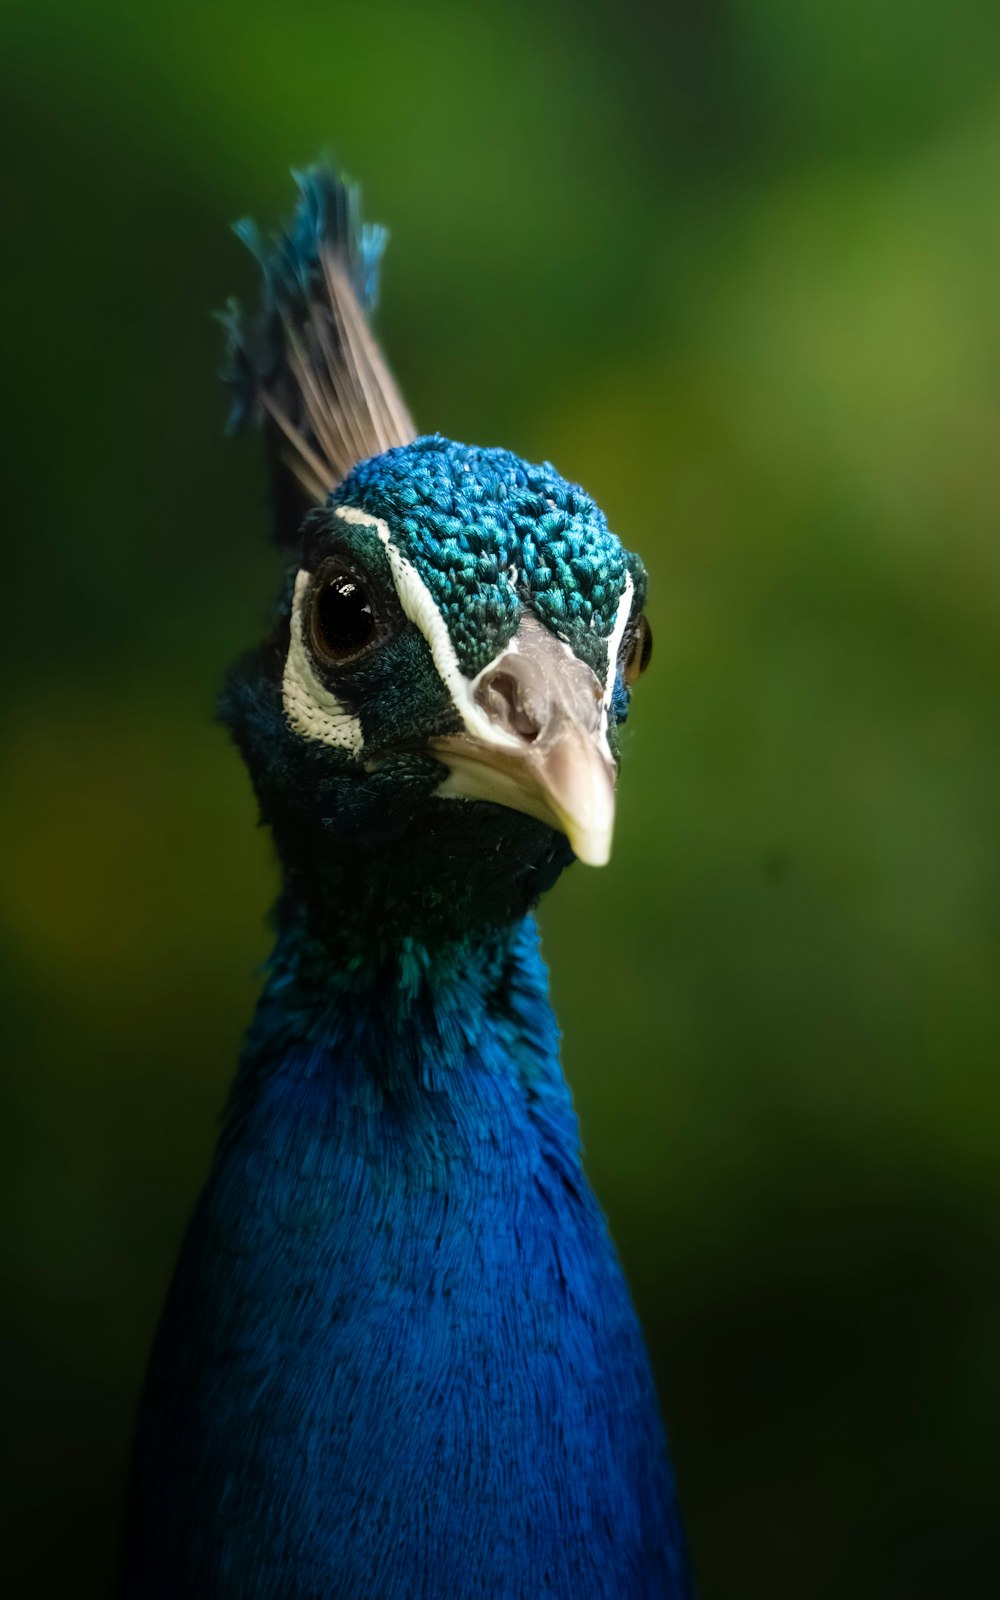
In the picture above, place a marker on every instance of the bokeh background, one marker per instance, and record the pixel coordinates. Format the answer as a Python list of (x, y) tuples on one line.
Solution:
[(735, 267)]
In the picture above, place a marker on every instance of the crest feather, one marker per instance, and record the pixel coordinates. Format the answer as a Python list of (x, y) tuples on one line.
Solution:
[(307, 364)]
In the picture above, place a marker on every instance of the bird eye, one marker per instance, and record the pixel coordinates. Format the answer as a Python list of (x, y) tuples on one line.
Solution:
[(638, 650), (342, 620)]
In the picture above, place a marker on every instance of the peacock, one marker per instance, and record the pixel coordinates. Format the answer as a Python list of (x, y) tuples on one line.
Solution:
[(398, 1358)]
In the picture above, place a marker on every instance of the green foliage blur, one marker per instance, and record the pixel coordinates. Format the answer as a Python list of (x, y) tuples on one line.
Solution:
[(735, 267)]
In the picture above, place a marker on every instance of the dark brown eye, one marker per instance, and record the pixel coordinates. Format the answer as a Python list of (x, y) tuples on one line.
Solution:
[(342, 622), (638, 650)]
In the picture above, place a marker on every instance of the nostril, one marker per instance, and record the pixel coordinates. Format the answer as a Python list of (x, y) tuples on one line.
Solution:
[(502, 696)]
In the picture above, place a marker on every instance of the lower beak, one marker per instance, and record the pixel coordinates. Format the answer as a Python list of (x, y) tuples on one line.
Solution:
[(542, 746)]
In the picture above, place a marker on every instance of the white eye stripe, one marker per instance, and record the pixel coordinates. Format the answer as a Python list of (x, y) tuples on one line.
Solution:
[(423, 611), (614, 646), (316, 713), (310, 707)]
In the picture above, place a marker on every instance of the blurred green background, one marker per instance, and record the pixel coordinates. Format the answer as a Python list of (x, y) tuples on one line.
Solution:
[(735, 267)]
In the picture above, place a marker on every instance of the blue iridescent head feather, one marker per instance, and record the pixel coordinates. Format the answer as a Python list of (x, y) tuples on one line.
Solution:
[(490, 532)]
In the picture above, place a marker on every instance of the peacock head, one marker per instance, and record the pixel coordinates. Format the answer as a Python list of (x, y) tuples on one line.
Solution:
[(432, 727)]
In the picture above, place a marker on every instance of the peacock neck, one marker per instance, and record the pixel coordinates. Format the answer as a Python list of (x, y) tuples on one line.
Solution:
[(398, 1279), (419, 1055)]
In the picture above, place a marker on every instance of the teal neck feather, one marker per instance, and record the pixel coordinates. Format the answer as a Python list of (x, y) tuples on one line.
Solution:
[(404, 1015)]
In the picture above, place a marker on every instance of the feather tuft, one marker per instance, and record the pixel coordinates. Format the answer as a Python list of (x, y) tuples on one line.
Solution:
[(307, 365)]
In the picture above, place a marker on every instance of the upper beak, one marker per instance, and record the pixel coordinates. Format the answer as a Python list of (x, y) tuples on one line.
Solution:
[(539, 743)]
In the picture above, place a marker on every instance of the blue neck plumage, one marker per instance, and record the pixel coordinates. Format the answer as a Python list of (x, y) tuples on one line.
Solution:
[(432, 1053), (398, 1340)]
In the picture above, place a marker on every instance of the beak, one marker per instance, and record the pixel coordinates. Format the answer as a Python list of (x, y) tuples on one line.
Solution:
[(538, 742)]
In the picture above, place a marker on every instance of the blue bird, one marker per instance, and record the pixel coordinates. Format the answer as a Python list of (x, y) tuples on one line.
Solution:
[(398, 1359)]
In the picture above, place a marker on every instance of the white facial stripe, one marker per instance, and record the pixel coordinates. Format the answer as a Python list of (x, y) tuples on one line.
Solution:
[(422, 610), (420, 606), (614, 645), (309, 706)]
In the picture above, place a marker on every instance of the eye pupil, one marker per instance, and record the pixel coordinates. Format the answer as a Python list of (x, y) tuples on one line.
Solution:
[(343, 622), (640, 650)]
